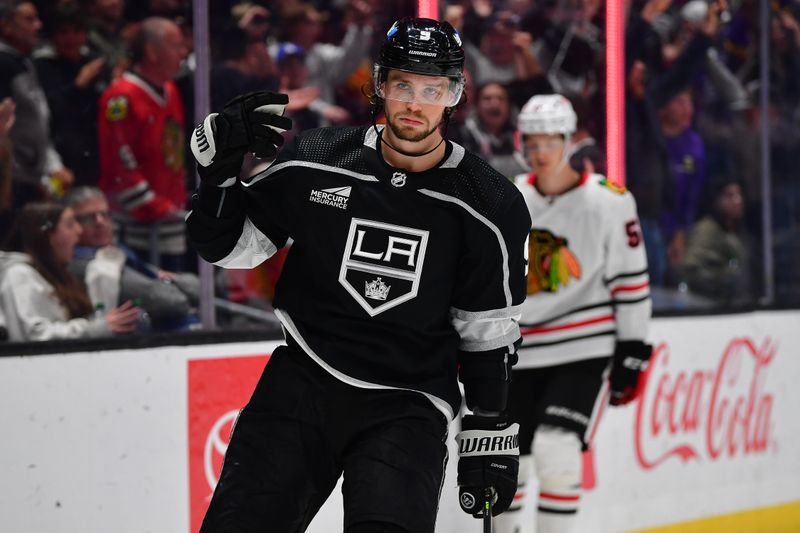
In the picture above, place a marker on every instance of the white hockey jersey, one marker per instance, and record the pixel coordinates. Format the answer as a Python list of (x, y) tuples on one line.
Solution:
[(587, 273)]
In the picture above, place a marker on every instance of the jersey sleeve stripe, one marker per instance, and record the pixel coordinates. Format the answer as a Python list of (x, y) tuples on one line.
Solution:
[(514, 311), (634, 301), (626, 275), (630, 288), (136, 196), (571, 325), (486, 335), (494, 229), (252, 248), (609, 332)]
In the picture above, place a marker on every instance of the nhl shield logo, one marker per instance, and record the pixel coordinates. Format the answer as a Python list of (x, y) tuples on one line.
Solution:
[(382, 264), (398, 179)]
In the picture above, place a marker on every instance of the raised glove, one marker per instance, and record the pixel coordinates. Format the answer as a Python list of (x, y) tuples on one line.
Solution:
[(249, 123), (629, 362), (488, 458)]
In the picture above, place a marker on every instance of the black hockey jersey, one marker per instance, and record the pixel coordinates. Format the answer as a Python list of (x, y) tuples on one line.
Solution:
[(391, 275)]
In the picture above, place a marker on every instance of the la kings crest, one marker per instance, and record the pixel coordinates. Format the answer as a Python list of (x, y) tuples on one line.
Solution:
[(382, 264)]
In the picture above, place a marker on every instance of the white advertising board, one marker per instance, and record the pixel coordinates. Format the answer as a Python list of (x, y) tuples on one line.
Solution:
[(132, 440)]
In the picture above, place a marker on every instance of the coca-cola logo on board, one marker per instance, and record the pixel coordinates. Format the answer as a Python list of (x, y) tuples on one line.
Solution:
[(705, 414)]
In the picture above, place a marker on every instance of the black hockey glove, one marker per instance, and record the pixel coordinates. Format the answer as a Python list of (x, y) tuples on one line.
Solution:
[(252, 122), (488, 458), (629, 362)]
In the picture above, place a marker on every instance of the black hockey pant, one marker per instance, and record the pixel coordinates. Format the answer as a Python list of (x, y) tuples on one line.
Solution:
[(302, 429)]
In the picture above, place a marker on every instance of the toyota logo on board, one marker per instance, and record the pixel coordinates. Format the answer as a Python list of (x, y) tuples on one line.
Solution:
[(216, 444)]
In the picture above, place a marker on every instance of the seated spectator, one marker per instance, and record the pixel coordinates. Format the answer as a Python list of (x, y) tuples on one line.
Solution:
[(41, 299), (489, 130), (718, 259), (114, 273)]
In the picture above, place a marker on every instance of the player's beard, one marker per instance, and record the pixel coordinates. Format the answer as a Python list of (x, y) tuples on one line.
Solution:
[(406, 133)]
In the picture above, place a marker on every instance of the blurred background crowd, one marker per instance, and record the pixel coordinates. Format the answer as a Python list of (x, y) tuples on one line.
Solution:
[(97, 101)]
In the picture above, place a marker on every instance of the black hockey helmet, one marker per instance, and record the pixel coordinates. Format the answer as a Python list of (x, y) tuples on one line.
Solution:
[(422, 46)]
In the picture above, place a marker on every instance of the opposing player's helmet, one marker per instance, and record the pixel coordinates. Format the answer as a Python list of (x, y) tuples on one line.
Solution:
[(422, 46), (548, 114)]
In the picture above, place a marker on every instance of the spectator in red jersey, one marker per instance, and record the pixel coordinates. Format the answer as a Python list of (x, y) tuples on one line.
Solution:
[(142, 169)]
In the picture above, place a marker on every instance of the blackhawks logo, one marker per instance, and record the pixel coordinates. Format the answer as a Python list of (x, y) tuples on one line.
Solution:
[(552, 264)]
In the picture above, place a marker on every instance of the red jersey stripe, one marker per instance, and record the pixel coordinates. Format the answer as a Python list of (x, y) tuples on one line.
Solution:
[(630, 288), (571, 325)]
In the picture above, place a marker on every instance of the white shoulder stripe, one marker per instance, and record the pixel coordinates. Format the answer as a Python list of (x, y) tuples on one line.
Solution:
[(488, 224), (371, 136), (307, 164), (455, 156)]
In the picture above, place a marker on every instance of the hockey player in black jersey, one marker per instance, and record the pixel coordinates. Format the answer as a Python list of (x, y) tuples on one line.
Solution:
[(406, 273)]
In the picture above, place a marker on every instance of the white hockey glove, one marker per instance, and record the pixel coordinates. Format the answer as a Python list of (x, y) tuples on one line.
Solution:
[(251, 122), (488, 459), (629, 362)]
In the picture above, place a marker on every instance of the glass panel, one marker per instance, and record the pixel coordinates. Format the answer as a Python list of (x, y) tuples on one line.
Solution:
[(784, 119), (713, 211), (693, 150)]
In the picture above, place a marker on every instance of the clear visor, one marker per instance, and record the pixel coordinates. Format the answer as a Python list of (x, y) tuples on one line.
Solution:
[(545, 145), (417, 88)]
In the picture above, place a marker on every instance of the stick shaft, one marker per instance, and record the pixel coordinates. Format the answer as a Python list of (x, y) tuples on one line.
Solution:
[(487, 511)]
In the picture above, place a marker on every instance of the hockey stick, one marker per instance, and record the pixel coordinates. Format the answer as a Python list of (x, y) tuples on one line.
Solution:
[(487, 510)]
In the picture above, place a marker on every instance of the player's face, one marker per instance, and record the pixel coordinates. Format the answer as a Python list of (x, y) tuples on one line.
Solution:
[(413, 108), (544, 152), (95, 220), (65, 236)]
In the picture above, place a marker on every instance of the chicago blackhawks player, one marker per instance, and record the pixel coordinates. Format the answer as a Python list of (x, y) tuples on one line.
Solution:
[(586, 313), (406, 273)]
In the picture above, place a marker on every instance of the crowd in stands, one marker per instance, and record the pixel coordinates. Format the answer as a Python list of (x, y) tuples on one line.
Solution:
[(96, 103)]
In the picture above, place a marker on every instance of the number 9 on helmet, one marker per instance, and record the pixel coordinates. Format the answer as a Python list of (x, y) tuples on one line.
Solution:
[(424, 47)]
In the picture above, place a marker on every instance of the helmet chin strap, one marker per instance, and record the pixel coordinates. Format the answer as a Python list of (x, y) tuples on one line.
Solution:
[(403, 152)]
